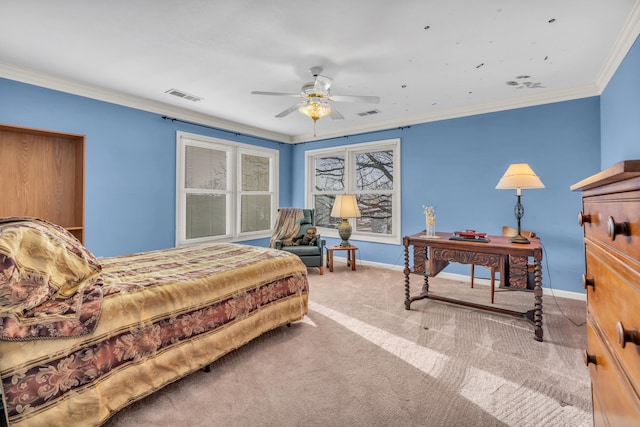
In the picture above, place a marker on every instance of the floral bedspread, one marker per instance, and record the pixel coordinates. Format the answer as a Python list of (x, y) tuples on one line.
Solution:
[(164, 314), (50, 284), (57, 318)]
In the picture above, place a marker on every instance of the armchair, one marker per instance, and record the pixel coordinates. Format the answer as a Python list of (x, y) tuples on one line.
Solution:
[(292, 223)]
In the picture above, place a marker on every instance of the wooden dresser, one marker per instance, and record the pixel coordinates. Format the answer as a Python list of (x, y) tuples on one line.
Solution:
[(611, 220)]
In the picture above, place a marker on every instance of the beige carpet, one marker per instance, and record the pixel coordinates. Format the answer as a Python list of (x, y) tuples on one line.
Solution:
[(361, 359)]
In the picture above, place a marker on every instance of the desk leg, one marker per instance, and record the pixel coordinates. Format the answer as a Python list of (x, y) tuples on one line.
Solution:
[(406, 271), (408, 299), (537, 293)]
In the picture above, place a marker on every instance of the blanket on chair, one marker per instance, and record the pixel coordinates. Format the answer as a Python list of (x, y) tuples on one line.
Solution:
[(287, 226)]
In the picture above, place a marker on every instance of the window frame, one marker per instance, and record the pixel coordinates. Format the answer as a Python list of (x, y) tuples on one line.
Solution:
[(349, 152), (234, 192)]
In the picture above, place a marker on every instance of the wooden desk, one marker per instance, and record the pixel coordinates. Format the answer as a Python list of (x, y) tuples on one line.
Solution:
[(430, 256), (351, 255)]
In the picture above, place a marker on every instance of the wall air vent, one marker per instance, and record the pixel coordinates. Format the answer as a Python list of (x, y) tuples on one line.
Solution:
[(184, 95), (369, 113)]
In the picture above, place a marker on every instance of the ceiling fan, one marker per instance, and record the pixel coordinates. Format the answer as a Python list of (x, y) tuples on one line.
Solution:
[(316, 96)]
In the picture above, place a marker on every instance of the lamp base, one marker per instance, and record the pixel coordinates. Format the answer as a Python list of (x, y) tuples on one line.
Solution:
[(519, 212), (344, 230), (519, 239)]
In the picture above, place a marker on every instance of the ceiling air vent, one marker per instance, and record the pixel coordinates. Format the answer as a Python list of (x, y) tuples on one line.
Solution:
[(369, 113), (182, 94)]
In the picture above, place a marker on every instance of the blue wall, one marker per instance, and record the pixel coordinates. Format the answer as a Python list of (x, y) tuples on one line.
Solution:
[(620, 105), (130, 163), (455, 165), (451, 164)]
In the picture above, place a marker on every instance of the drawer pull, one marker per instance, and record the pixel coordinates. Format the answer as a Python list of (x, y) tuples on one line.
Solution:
[(588, 282), (627, 335), (589, 358), (615, 228), (583, 218)]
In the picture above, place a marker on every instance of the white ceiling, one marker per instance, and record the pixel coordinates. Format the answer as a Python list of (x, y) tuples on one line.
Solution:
[(426, 59)]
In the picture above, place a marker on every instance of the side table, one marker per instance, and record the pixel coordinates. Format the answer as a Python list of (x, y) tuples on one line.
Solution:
[(351, 255)]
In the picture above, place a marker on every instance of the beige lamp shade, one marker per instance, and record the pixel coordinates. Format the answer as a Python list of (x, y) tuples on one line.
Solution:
[(345, 206), (519, 175)]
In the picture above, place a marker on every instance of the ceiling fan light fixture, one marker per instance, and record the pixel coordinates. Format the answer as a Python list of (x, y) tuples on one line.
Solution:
[(315, 110)]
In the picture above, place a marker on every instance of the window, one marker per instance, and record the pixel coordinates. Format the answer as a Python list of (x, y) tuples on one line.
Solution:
[(225, 190), (371, 171)]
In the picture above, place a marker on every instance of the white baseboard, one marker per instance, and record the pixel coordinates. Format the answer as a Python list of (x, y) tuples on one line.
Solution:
[(486, 282)]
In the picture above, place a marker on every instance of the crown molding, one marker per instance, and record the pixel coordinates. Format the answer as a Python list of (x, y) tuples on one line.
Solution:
[(627, 37), (584, 91), (22, 75), (615, 58)]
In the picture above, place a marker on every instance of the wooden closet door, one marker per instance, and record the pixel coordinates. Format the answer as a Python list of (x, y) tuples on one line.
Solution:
[(42, 175)]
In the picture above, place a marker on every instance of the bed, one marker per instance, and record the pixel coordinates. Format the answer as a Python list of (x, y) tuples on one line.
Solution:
[(81, 337)]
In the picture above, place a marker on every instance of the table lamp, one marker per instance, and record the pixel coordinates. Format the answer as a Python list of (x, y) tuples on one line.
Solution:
[(345, 207), (519, 176)]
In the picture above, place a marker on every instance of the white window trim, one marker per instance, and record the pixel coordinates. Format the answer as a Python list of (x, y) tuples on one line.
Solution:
[(234, 150), (395, 237)]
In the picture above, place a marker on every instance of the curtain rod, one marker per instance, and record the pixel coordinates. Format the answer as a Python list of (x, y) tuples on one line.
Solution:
[(353, 134), (173, 119)]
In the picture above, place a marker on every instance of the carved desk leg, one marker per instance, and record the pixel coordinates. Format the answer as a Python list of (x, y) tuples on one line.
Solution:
[(407, 292), (537, 293), (425, 286), (420, 258)]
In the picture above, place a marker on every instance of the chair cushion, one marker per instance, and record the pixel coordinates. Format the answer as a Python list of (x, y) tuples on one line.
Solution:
[(303, 250)]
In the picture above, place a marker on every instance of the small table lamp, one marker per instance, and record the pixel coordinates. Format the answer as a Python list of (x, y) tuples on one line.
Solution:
[(519, 176), (345, 207)]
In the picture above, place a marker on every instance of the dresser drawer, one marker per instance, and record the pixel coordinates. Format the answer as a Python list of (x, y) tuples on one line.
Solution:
[(613, 298), (614, 219), (612, 399), (611, 219)]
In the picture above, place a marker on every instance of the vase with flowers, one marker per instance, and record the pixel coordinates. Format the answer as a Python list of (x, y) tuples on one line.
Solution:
[(430, 216)]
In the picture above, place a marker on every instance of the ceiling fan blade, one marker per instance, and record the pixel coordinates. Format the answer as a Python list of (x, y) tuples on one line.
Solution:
[(258, 92), (288, 111), (335, 114), (322, 84), (355, 98)]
